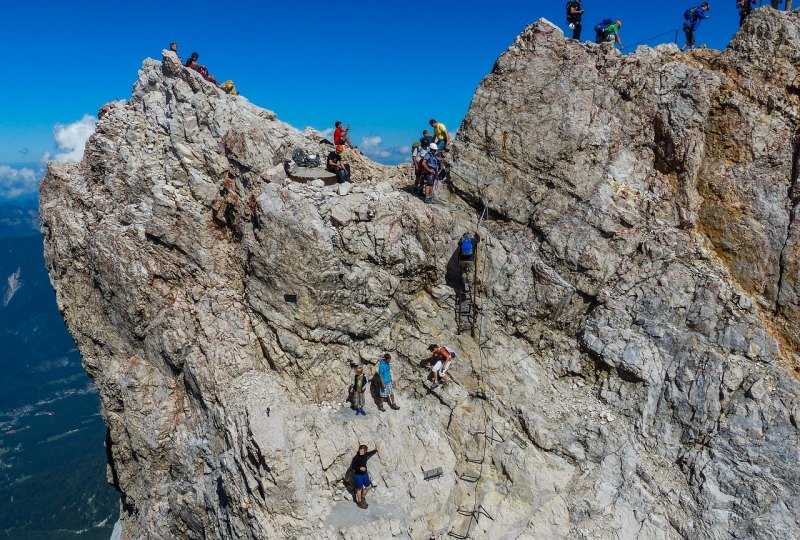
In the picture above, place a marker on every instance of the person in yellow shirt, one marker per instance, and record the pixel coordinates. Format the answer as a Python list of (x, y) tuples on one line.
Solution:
[(440, 134)]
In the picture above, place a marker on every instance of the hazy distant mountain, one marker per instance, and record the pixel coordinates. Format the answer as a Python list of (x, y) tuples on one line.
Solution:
[(19, 218)]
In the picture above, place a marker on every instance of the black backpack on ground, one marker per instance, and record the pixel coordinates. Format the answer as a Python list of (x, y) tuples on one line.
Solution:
[(303, 159)]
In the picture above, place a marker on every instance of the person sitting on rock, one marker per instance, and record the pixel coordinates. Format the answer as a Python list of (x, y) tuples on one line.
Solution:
[(359, 388), (337, 165), (430, 170), (385, 381), (201, 69), (692, 17), (361, 475), (174, 48), (466, 257), (340, 135), (441, 358), (440, 136), (608, 30)]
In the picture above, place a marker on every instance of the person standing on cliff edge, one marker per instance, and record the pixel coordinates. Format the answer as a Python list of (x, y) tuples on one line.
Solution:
[(361, 475), (574, 16), (692, 17)]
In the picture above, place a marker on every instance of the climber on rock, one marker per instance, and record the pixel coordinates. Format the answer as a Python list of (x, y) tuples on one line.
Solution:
[(358, 389), (574, 16), (337, 165), (692, 18), (361, 474), (426, 139), (441, 358), (417, 154), (608, 30), (431, 163), (440, 136), (466, 258), (385, 381), (201, 69)]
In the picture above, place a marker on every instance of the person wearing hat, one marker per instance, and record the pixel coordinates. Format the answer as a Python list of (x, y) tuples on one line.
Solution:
[(337, 165), (359, 388), (430, 168), (385, 382)]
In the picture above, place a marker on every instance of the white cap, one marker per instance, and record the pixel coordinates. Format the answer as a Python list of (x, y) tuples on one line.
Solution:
[(433, 146)]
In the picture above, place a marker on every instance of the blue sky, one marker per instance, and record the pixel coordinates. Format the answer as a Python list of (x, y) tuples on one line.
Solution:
[(384, 67)]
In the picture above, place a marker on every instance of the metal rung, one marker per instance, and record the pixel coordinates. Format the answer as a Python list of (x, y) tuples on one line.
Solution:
[(459, 536), (433, 473), (465, 511), (471, 478), (474, 460), (520, 442)]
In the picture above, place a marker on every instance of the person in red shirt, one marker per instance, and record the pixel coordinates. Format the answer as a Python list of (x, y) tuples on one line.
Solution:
[(441, 358), (340, 135)]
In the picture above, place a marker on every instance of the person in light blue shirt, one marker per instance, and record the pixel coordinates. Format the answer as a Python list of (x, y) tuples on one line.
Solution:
[(692, 17), (385, 380)]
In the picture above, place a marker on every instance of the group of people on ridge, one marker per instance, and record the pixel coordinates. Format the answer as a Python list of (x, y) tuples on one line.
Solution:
[(228, 87), (441, 359), (607, 30), (428, 156)]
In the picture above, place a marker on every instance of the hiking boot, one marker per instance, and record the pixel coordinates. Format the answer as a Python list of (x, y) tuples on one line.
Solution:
[(362, 412), (395, 407), (381, 409), (362, 504)]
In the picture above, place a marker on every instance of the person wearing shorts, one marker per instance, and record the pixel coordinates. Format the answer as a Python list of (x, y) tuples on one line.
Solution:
[(385, 381), (361, 474), (441, 358)]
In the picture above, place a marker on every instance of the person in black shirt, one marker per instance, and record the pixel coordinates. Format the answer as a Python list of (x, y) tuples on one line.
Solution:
[(337, 165), (574, 16), (361, 475)]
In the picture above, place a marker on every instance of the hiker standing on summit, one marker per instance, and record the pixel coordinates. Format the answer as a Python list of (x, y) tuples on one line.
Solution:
[(745, 7), (574, 16), (692, 17)]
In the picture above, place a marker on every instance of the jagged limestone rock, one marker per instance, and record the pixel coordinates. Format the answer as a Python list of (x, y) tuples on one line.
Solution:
[(634, 369)]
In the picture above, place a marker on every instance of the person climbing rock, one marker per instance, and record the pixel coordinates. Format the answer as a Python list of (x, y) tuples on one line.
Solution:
[(340, 136), (361, 475), (574, 16), (417, 155), (466, 258), (441, 358), (201, 69), (608, 30), (431, 163), (337, 165), (385, 381), (744, 7), (359, 388), (440, 136), (692, 18)]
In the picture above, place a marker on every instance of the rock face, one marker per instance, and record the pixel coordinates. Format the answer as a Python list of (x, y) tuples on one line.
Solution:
[(634, 372)]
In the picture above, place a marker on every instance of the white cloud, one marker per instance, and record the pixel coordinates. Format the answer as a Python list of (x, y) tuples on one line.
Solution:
[(71, 138), (371, 146), (327, 133), (16, 183)]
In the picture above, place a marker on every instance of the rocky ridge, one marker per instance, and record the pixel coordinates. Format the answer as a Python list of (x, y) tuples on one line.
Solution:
[(635, 369)]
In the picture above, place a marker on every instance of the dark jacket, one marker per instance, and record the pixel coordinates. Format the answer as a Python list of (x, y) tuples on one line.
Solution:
[(361, 461)]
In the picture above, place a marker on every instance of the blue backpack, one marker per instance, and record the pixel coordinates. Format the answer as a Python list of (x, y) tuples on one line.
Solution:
[(466, 246), (601, 26)]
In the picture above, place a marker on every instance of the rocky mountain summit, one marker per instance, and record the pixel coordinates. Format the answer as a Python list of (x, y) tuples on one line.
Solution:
[(634, 370)]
